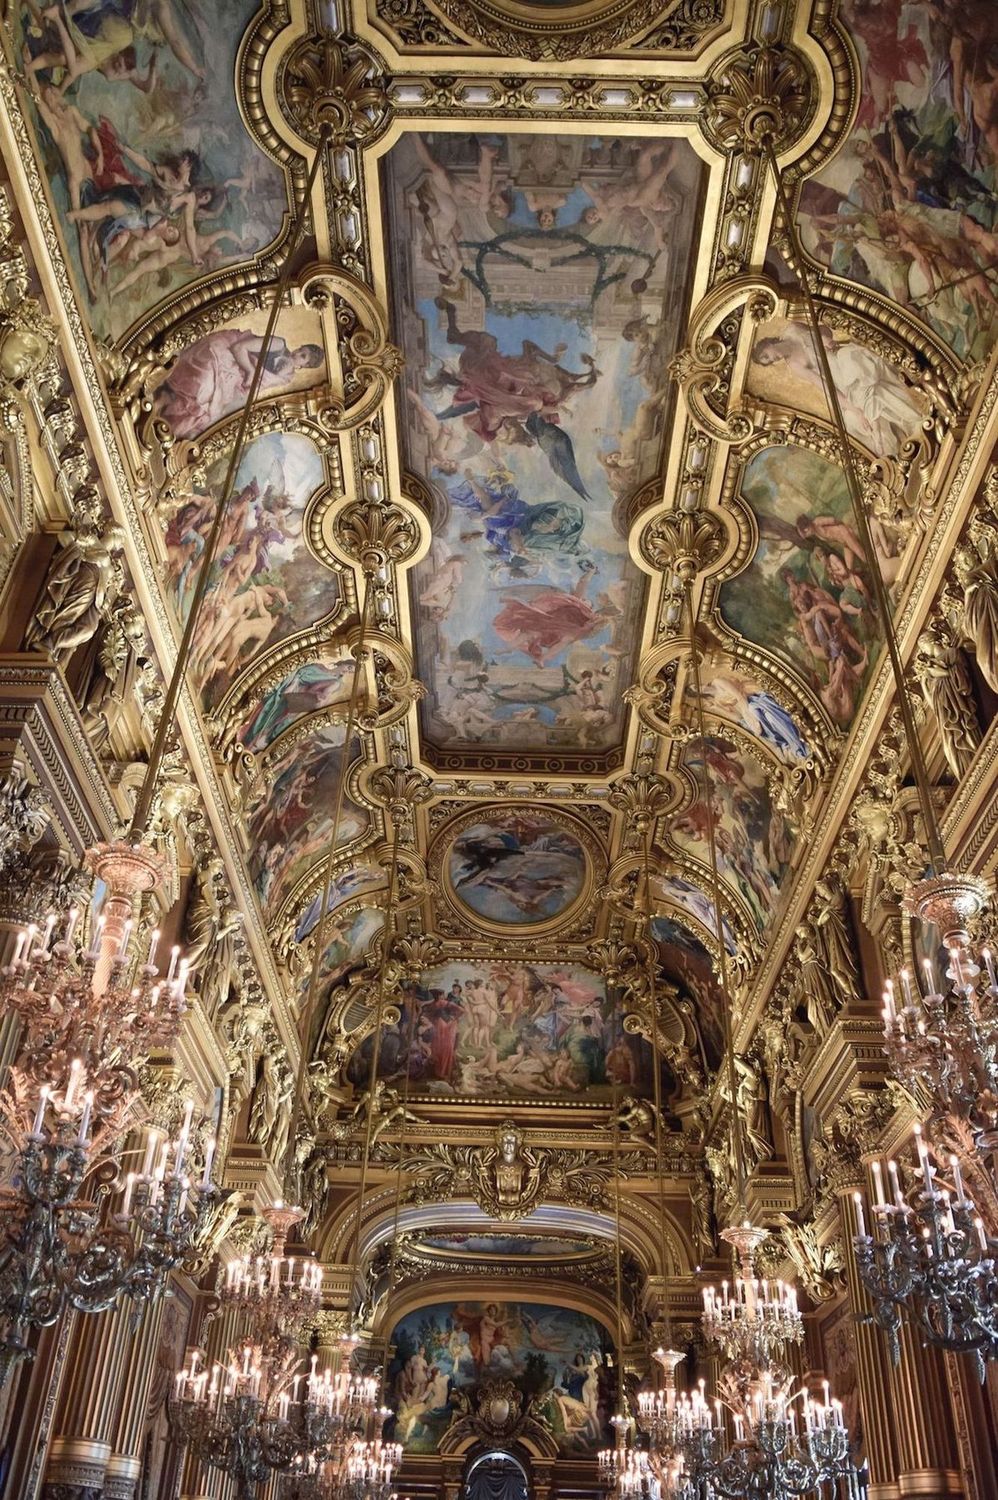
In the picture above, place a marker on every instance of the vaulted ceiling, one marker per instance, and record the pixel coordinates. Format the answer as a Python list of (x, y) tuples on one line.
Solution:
[(540, 313)]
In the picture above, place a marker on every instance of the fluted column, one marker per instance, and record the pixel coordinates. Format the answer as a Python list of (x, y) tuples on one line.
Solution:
[(84, 1424), (928, 1461), (872, 1365), (125, 1463)]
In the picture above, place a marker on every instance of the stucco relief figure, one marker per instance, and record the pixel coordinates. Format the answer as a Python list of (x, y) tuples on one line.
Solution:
[(814, 991), (116, 680), (82, 584), (946, 686), (702, 1215), (977, 575), (383, 1107), (832, 930), (209, 937), (752, 1103), (270, 1116)]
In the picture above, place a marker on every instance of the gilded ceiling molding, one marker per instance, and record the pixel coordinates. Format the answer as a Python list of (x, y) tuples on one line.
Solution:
[(337, 84), (590, 28), (125, 486), (759, 92)]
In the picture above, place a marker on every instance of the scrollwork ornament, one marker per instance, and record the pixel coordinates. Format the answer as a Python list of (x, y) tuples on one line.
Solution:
[(757, 98), (339, 84)]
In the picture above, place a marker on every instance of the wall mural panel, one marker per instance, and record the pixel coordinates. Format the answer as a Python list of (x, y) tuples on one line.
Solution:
[(753, 839), (305, 690), (154, 176), (907, 206), (741, 699), (806, 595), (266, 584), (211, 378), (539, 287), (292, 825), (556, 1357), (677, 890), (879, 409), (507, 1029), (505, 1246)]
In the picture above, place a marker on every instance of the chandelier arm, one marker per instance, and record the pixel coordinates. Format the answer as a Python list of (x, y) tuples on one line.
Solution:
[(379, 1015), (393, 1253), (708, 797), (143, 803), (307, 1012), (655, 1039), (933, 832)]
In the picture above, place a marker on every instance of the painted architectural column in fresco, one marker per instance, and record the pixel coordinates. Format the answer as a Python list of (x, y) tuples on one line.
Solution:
[(84, 1427), (872, 1364)]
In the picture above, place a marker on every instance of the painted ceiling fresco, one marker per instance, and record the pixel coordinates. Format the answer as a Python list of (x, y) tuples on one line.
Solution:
[(538, 268), (907, 205), (504, 1246), (517, 869), (544, 283), (806, 594), (155, 179), (267, 582), (508, 1029), (556, 1357)]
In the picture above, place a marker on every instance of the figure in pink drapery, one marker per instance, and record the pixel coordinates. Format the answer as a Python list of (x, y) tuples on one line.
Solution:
[(211, 378), (542, 621)]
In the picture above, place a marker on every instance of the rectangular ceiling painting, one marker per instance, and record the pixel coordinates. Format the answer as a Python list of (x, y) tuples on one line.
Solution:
[(540, 282)]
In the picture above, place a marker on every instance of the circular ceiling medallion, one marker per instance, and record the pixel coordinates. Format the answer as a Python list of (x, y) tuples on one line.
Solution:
[(561, 29), (505, 868)]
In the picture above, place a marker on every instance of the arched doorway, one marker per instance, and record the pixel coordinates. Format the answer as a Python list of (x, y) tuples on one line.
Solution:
[(495, 1475)]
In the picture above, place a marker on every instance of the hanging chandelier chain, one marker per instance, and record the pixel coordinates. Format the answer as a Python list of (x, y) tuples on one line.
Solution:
[(308, 1009), (933, 834), (143, 803)]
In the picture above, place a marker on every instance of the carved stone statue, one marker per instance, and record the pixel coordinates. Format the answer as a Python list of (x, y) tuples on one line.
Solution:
[(244, 1025), (945, 682), (977, 575), (83, 581), (702, 1215), (753, 1107), (831, 926), (115, 681), (270, 1116), (209, 930), (813, 991)]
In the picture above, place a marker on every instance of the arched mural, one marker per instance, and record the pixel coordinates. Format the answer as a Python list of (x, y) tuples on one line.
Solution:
[(906, 207), (806, 595), (154, 176), (555, 1356), (507, 1029)]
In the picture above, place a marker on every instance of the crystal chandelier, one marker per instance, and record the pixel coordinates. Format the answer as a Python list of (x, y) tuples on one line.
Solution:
[(929, 1254), (368, 1469), (74, 1230), (259, 1413), (943, 1045), (785, 1444), (776, 1453)]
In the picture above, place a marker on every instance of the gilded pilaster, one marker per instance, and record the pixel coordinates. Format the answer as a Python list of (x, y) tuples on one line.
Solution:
[(872, 1368), (85, 1421), (928, 1460), (124, 1465)]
